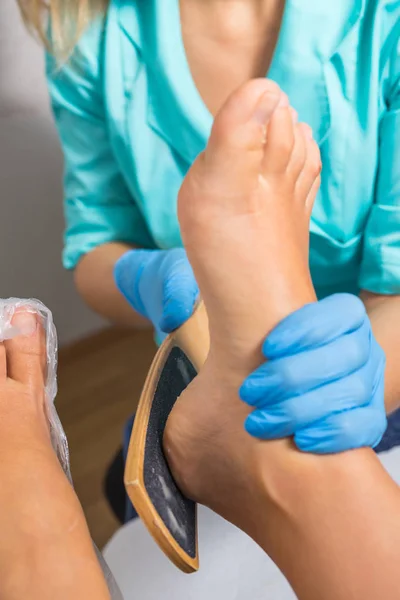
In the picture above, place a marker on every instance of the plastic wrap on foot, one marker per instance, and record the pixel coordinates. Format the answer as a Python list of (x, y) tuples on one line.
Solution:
[(59, 440)]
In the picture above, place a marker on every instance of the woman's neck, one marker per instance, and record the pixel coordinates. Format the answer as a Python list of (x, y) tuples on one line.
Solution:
[(233, 19), (227, 42)]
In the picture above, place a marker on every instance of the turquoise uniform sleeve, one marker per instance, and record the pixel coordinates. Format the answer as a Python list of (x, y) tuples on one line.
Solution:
[(380, 269), (98, 206)]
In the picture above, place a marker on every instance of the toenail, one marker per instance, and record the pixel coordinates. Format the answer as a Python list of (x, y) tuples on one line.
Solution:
[(265, 106), (25, 323)]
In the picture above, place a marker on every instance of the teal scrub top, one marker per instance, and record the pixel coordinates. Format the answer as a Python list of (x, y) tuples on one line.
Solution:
[(131, 122)]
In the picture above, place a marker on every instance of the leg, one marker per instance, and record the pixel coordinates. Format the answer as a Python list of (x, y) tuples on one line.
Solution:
[(244, 211)]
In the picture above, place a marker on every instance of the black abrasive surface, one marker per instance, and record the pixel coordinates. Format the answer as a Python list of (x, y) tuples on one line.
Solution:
[(177, 512)]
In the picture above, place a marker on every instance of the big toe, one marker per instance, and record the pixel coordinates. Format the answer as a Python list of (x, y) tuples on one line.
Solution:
[(242, 121), (26, 352), (236, 144)]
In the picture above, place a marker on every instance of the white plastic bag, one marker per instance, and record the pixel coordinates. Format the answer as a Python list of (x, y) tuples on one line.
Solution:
[(58, 437)]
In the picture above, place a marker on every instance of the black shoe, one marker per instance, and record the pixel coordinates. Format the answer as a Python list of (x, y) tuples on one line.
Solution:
[(391, 438)]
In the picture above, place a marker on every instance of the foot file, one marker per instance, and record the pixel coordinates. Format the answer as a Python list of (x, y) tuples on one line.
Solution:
[(170, 517)]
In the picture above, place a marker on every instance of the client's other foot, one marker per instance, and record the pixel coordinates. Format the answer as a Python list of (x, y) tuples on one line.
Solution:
[(46, 547), (244, 210)]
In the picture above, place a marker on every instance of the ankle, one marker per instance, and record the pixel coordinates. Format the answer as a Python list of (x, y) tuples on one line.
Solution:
[(236, 351), (296, 486)]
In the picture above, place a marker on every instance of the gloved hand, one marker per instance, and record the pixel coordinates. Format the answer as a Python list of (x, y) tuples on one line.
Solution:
[(160, 285), (323, 382)]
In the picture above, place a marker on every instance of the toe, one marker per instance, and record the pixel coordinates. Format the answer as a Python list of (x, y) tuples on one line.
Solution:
[(26, 353), (238, 134), (309, 179), (313, 194), (280, 142), (243, 117), (299, 153)]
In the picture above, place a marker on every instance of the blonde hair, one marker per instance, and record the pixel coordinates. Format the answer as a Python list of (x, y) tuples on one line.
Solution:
[(60, 23)]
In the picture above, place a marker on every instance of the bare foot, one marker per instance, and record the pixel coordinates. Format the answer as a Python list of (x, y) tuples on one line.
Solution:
[(244, 210), (46, 546)]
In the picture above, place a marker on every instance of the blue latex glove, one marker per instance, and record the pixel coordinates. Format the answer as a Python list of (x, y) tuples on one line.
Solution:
[(160, 286), (323, 382)]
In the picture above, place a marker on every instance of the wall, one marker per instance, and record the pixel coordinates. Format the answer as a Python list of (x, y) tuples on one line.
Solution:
[(31, 220)]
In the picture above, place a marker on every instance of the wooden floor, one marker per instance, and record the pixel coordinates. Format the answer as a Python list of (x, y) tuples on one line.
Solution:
[(100, 380)]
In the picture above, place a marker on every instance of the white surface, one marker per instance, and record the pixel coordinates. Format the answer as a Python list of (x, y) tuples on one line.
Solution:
[(232, 566), (31, 219)]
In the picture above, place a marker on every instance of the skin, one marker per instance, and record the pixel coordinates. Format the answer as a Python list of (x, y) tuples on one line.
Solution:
[(227, 43), (94, 280), (45, 549), (302, 509), (260, 170)]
